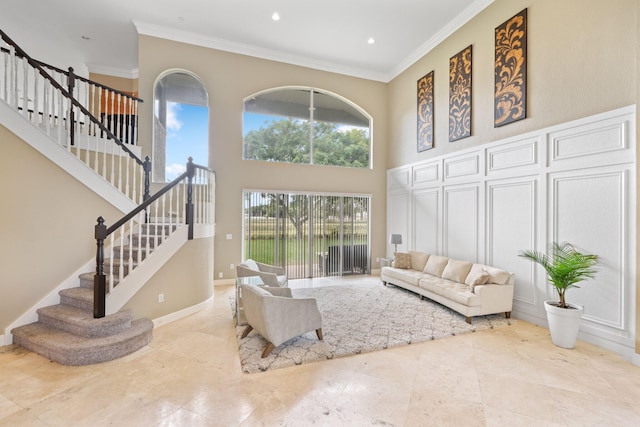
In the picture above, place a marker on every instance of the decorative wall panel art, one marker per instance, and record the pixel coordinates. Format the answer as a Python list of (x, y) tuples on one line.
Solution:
[(460, 95), (425, 112), (510, 102)]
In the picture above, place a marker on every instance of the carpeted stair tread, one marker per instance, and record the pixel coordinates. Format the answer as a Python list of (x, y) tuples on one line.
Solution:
[(77, 297), (80, 322), (70, 349), (86, 280)]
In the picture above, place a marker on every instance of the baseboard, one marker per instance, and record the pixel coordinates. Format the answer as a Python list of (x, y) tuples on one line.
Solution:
[(636, 359), (180, 314), (222, 282), (2, 343)]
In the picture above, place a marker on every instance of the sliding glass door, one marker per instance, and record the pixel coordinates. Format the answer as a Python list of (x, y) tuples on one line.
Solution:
[(311, 235)]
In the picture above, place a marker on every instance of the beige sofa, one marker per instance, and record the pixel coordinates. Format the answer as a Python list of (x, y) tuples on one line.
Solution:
[(470, 289)]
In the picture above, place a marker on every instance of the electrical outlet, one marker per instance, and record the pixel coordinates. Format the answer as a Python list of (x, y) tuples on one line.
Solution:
[(229, 236), (231, 266), (160, 297), (377, 259), (220, 275)]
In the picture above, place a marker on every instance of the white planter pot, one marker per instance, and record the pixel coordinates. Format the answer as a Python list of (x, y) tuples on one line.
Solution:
[(564, 323)]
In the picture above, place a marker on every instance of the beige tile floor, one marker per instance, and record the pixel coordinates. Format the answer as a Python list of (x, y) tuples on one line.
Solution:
[(190, 376)]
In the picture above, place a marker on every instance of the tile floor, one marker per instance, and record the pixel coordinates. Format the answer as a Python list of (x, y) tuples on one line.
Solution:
[(190, 376)]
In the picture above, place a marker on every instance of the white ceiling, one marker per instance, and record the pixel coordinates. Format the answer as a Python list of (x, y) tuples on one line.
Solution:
[(329, 35)]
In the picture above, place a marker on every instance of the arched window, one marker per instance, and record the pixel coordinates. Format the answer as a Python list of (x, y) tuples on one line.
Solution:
[(305, 125), (180, 124)]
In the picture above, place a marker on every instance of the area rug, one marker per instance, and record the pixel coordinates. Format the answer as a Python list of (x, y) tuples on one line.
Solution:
[(361, 318)]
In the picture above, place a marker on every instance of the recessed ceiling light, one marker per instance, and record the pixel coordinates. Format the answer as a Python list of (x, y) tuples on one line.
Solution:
[(275, 16), (371, 40)]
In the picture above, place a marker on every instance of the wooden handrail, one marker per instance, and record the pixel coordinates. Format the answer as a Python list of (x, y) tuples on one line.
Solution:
[(102, 231), (71, 99), (66, 72)]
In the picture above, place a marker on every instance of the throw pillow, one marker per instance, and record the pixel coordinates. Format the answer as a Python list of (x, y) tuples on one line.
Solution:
[(435, 265), (251, 264), (402, 260), (477, 278), (456, 270), (418, 260), (497, 275)]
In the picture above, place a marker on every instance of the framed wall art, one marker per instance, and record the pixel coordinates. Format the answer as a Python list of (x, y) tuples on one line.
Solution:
[(460, 95), (510, 101), (425, 112)]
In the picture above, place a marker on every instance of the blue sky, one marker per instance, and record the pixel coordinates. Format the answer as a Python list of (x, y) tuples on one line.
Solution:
[(187, 135)]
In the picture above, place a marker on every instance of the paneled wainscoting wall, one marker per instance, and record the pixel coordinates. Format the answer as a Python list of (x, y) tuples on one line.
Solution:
[(572, 182)]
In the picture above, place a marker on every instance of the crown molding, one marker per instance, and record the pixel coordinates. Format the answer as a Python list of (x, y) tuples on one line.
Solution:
[(153, 30), (454, 25), (187, 37)]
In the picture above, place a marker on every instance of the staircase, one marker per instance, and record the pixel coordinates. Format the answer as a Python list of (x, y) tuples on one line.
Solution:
[(89, 325), (69, 334)]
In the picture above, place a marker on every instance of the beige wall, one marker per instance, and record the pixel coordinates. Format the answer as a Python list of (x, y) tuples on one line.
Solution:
[(46, 226), (185, 280), (119, 83), (581, 61), (229, 78)]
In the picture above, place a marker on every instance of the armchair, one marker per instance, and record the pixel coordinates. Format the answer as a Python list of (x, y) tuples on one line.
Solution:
[(278, 317), (271, 275)]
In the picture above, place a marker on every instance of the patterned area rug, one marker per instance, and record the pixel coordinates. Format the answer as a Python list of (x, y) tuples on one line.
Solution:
[(360, 318)]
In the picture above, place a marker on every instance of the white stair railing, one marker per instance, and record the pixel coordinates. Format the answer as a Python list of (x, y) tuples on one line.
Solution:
[(63, 105), (186, 201)]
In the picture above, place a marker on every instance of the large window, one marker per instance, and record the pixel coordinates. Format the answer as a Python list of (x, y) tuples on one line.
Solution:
[(180, 124), (311, 235), (304, 125)]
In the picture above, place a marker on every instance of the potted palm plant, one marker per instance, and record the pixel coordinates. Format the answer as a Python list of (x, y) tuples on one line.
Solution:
[(565, 267)]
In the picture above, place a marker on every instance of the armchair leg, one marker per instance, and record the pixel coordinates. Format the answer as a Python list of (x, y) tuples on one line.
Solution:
[(319, 333), (507, 314), (468, 319), (267, 350), (246, 331)]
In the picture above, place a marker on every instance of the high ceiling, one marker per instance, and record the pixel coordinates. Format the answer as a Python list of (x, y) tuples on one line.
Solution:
[(329, 35)]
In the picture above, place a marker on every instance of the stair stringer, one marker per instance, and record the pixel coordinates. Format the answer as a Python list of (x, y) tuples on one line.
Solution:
[(52, 298), (47, 146), (139, 276), (122, 293)]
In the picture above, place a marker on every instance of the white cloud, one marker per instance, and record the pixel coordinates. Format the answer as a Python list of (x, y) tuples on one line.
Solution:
[(172, 171), (173, 123)]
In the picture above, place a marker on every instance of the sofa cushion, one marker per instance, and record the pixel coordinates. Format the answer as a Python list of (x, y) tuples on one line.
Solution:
[(418, 260), (411, 277), (456, 270), (451, 290), (402, 260), (435, 265)]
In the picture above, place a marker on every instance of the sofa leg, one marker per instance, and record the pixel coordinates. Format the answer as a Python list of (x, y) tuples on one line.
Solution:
[(507, 314), (319, 333), (384, 283), (468, 319), (267, 350), (421, 297), (248, 329)]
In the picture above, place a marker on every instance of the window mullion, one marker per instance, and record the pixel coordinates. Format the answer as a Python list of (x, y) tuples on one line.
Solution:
[(311, 119)]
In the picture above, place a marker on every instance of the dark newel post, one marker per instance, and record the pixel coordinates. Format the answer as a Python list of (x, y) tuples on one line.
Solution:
[(146, 166), (71, 83), (147, 180), (189, 207), (99, 280)]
